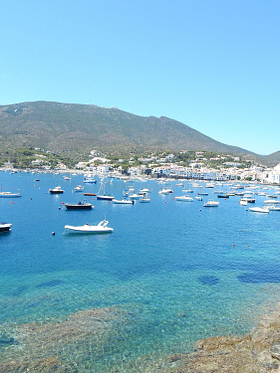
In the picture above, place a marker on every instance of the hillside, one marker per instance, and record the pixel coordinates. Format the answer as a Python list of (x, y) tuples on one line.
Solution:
[(79, 128)]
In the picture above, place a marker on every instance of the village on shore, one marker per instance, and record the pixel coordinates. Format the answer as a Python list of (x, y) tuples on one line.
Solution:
[(201, 166)]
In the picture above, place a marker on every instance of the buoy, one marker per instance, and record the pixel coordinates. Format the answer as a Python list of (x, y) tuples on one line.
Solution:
[(53, 233), (62, 203), (59, 208), (92, 197), (12, 202), (31, 198), (165, 202), (233, 245), (108, 201)]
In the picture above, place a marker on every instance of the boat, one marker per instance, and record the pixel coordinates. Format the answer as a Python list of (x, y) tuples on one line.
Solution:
[(89, 180), (123, 201), (273, 207), (259, 209), (56, 190), (9, 195), (271, 202), (104, 196), (87, 228), (199, 198), (135, 196), (249, 198), (211, 203), (89, 194), (187, 190), (223, 195), (78, 206), (145, 199), (243, 202), (5, 227), (165, 191), (78, 188), (202, 194), (184, 198)]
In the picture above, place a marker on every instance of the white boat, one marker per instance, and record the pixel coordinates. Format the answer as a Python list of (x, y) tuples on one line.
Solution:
[(144, 199), (211, 203), (56, 190), (134, 196), (9, 195), (184, 198), (187, 190), (78, 188), (5, 227), (271, 202), (90, 180), (123, 201), (166, 191), (243, 202), (199, 198), (99, 228), (104, 196), (273, 208), (259, 209)]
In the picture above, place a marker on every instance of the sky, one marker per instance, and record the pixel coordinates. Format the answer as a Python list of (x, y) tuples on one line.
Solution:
[(213, 65)]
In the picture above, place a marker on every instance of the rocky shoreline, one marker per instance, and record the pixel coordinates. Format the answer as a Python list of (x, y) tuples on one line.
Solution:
[(256, 352), (38, 347)]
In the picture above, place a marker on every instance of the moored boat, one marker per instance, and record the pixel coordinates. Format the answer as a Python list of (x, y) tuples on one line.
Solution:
[(78, 206), (211, 203), (5, 227), (87, 228), (184, 198), (56, 190), (264, 209)]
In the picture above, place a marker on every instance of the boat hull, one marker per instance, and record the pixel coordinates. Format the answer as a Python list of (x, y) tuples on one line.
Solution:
[(5, 227), (86, 206)]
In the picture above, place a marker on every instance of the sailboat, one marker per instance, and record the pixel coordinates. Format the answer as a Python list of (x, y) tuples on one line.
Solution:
[(102, 194)]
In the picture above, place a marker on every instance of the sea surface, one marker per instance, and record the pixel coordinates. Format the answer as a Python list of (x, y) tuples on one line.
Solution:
[(171, 273)]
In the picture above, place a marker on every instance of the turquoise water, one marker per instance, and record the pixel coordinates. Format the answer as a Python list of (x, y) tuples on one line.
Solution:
[(170, 273)]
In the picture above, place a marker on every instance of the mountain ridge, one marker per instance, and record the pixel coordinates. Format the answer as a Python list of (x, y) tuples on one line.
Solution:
[(62, 127)]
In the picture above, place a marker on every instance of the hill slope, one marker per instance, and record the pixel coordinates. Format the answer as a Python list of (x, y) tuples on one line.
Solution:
[(73, 127)]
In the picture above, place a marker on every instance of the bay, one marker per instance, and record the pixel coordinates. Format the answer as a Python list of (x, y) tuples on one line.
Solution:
[(171, 273)]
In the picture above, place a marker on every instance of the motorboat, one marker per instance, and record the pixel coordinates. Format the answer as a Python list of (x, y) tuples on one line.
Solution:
[(135, 196), (199, 198), (187, 190), (271, 202), (123, 201), (211, 203), (87, 228), (273, 208), (202, 194), (223, 195), (89, 194), (249, 198), (264, 209), (78, 188), (165, 191), (78, 206), (184, 198), (56, 190), (243, 202), (145, 199), (90, 180), (5, 227)]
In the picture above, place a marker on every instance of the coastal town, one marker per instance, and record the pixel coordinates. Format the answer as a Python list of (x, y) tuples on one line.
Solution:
[(199, 165)]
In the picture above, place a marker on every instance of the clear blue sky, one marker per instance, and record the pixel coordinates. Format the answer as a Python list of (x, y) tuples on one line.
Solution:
[(213, 65)]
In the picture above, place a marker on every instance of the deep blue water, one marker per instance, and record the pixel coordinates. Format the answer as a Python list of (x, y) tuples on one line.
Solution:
[(177, 271)]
